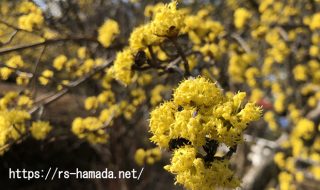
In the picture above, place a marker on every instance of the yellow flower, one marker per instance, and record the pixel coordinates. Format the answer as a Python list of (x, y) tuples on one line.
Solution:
[(160, 121), (40, 129), (25, 101), (59, 62), (256, 95), (142, 37), (91, 103), (168, 21), (22, 79), (200, 111), (32, 16), (12, 125), (15, 62), (314, 51), (82, 51), (315, 22), (122, 66), (198, 91), (91, 129), (107, 32), (5, 73), (280, 160), (241, 15), (45, 77), (139, 156), (285, 180), (156, 94), (150, 10), (315, 170), (194, 174), (250, 112), (304, 129), (300, 72)]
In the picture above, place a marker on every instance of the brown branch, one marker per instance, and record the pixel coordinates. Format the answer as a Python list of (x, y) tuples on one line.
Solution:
[(183, 56), (33, 79), (11, 38), (46, 42), (72, 85), (153, 57), (243, 44)]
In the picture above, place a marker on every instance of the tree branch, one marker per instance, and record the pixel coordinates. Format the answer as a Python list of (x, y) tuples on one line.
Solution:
[(46, 42)]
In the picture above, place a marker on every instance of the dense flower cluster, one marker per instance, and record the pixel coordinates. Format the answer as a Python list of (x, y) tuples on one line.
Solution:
[(149, 156), (269, 50), (91, 129), (194, 173), (31, 16), (303, 144), (15, 62), (107, 32), (122, 66), (198, 114), (40, 129), (198, 111), (12, 126)]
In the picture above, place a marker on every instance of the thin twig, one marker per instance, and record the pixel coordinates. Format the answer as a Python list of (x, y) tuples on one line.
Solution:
[(183, 56), (33, 79), (243, 44), (11, 38), (72, 85)]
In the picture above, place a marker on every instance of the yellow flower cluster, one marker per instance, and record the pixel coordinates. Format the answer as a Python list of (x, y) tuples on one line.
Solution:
[(150, 156), (15, 62), (59, 62), (40, 129), (168, 21), (198, 114), (269, 117), (304, 130), (300, 73), (104, 98), (279, 50), (241, 15), (204, 113), (122, 66), (45, 77), (315, 21), (14, 100), (107, 32), (87, 66), (151, 10), (195, 174), (303, 144), (82, 52), (206, 34), (24, 101), (12, 126), (22, 79), (90, 129), (32, 16), (238, 64), (277, 12), (142, 37), (156, 97)]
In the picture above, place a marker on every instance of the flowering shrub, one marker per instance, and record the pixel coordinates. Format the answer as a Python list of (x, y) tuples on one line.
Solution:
[(180, 84)]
